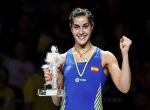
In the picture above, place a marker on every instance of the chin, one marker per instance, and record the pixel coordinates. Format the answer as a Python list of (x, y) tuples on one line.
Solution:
[(81, 43)]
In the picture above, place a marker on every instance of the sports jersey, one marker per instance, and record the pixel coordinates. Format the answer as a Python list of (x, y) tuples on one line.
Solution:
[(83, 82)]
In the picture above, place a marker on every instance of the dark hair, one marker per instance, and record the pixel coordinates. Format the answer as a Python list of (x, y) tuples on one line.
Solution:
[(80, 12)]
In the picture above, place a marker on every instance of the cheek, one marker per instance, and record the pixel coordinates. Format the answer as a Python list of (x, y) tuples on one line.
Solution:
[(74, 32), (88, 31)]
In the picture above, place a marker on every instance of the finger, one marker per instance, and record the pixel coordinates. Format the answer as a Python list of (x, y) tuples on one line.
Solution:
[(122, 40), (46, 71), (126, 38), (122, 44), (126, 41), (47, 77)]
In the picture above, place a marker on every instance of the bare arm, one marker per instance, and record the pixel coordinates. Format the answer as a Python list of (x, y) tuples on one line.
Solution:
[(121, 77)]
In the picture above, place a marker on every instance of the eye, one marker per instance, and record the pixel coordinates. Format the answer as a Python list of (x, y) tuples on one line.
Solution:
[(76, 27), (85, 26)]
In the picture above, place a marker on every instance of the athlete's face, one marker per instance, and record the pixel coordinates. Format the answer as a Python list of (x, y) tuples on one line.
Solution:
[(81, 29)]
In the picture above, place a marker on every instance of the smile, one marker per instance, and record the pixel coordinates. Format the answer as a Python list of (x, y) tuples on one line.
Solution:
[(81, 37)]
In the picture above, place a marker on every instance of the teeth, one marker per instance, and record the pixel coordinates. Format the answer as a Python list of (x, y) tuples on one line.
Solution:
[(82, 37)]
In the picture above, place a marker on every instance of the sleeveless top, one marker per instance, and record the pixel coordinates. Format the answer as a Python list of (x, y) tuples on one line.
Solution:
[(83, 83)]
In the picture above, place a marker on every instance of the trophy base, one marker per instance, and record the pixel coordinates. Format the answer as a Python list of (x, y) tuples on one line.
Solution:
[(51, 92)]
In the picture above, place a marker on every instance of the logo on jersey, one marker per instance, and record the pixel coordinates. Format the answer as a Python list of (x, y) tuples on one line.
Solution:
[(77, 79), (94, 68), (67, 68), (80, 80)]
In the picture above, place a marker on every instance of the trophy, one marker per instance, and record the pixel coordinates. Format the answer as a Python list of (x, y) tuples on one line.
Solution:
[(52, 63)]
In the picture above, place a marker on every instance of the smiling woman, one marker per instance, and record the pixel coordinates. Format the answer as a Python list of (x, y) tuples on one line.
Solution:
[(81, 24), (84, 64)]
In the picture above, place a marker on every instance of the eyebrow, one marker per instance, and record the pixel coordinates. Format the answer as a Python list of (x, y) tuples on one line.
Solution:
[(83, 24)]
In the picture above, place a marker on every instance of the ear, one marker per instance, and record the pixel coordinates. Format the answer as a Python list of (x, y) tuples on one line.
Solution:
[(92, 25), (71, 29)]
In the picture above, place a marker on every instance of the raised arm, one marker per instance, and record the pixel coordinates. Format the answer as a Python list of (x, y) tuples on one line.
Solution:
[(120, 76)]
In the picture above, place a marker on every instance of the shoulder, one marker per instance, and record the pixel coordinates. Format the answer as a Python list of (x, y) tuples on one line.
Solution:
[(107, 57), (107, 54), (63, 58), (64, 55)]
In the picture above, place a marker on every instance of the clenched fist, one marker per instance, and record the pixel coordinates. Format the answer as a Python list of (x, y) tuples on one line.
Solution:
[(49, 77), (125, 44)]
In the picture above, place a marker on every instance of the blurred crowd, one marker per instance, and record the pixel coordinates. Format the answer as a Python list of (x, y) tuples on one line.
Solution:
[(28, 28)]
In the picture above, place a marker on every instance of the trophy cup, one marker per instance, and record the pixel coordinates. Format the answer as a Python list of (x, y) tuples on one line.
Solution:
[(52, 62)]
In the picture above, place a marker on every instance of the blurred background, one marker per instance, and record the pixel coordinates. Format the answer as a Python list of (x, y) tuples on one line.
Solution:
[(28, 28)]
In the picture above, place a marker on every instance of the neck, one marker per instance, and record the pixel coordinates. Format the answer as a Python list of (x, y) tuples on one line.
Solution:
[(83, 47), (81, 50)]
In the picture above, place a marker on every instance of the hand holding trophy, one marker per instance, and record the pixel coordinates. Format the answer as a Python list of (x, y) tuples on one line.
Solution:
[(52, 63)]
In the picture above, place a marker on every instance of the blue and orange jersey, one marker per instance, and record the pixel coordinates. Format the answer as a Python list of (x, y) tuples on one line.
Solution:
[(83, 82)]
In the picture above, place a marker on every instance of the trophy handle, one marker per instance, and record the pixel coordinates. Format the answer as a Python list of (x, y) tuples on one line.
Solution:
[(54, 73)]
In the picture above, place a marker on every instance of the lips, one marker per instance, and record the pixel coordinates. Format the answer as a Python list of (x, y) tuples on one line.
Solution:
[(82, 37)]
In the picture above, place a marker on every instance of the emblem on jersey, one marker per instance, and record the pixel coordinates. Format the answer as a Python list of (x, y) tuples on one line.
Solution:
[(80, 80), (94, 68), (77, 79), (68, 68)]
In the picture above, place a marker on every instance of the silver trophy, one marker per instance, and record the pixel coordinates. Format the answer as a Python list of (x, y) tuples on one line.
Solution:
[(52, 62)]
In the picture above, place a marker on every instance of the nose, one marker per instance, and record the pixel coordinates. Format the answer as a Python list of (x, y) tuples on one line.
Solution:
[(81, 31)]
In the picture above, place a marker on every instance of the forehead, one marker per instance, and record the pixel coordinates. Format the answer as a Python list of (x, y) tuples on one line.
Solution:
[(80, 20)]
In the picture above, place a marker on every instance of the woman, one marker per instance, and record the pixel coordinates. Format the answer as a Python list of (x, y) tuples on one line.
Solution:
[(85, 67)]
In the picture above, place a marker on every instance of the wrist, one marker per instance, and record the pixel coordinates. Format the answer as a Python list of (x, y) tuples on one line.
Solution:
[(125, 55)]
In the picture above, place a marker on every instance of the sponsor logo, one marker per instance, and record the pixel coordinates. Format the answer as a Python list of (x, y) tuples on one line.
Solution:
[(77, 79), (80, 80), (68, 68)]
